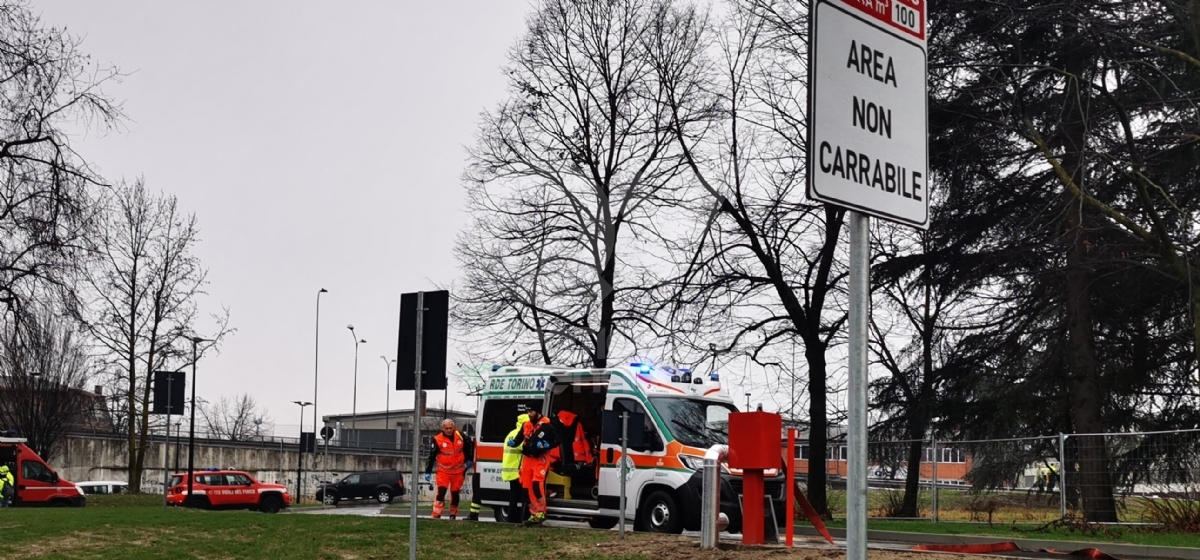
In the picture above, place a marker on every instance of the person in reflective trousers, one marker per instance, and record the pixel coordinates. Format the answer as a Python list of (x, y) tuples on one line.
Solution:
[(453, 454), (510, 471), (538, 451)]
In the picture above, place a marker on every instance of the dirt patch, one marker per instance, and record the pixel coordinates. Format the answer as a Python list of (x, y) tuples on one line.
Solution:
[(662, 547), (66, 545)]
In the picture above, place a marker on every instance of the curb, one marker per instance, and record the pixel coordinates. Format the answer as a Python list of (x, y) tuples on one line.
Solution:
[(1116, 549)]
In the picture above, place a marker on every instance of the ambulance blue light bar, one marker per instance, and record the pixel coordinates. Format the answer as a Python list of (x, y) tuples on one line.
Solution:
[(714, 376)]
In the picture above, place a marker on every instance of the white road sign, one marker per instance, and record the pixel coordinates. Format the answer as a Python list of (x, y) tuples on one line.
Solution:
[(868, 130)]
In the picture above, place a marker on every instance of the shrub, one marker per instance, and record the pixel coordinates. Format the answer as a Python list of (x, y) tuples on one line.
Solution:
[(1177, 511)]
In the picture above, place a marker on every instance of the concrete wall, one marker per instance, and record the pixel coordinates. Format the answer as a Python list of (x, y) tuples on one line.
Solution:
[(92, 457)]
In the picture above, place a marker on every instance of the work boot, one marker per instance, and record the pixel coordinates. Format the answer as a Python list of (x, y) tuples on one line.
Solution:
[(437, 510), (473, 516)]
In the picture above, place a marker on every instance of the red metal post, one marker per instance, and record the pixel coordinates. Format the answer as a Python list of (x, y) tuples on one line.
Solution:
[(753, 527), (790, 518)]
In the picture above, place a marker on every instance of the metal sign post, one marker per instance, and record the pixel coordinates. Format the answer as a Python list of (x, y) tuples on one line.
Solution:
[(624, 452), (326, 435), (416, 454), (167, 439), (856, 438)]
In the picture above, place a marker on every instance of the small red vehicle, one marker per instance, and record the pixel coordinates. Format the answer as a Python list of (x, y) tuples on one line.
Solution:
[(227, 489)]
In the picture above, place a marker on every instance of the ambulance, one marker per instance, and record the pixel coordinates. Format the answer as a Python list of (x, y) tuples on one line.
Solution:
[(684, 415)]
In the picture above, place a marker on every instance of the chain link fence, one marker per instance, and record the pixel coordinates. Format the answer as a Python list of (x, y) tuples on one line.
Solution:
[(1023, 480)]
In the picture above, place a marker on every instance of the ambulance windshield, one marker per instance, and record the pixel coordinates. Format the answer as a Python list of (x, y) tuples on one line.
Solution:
[(694, 422)]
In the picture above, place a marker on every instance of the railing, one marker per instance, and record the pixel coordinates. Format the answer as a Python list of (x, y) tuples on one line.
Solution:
[(265, 442)]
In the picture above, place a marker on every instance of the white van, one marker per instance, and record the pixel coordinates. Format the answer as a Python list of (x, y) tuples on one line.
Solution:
[(103, 487), (684, 417)]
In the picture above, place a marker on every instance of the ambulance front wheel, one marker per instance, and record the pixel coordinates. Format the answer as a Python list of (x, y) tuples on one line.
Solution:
[(660, 514)]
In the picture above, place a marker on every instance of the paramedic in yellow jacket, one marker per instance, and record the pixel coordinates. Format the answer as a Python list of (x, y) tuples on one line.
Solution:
[(510, 471)]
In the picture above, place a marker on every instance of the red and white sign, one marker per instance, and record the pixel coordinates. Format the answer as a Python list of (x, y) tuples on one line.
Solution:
[(906, 16), (868, 130)]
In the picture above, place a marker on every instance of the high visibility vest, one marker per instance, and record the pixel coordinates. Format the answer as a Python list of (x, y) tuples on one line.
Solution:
[(450, 457), (510, 467)]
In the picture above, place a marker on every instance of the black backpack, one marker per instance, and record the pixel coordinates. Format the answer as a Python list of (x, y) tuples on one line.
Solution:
[(545, 435)]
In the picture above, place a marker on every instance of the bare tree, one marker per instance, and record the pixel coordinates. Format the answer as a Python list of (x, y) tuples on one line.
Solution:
[(566, 181), (237, 419), (139, 299), (48, 85), (46, 367), (769, 255)]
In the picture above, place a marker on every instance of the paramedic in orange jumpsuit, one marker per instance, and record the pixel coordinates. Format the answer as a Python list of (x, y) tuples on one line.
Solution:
[(534, 468), (453, 454)]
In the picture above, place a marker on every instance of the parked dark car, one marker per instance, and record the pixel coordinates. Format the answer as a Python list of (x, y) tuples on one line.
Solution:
[(381, 486)]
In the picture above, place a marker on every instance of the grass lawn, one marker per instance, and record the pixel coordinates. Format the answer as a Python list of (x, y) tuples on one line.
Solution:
[(1097, 534), (1001, 508), (132, 527), (136, 526)]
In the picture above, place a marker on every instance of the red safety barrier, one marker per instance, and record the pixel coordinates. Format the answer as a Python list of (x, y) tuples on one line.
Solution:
[(989, 548), (811, 513), (968, 548), (1093, 553)]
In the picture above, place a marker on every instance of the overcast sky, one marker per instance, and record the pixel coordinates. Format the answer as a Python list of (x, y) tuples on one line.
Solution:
[(319, 144)]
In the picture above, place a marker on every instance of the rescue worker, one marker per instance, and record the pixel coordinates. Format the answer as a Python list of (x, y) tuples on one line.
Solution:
[(539, 449), (510, 470), (1051, 477), (453, 455), (7, 487)]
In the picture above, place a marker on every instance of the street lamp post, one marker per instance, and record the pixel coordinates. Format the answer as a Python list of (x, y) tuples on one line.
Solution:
[(387, 401), (300, 452), (354, 409), (316, 371), (192, 423)]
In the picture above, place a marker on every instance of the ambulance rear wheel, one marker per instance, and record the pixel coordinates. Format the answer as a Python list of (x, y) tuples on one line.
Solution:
[(660, 514)]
